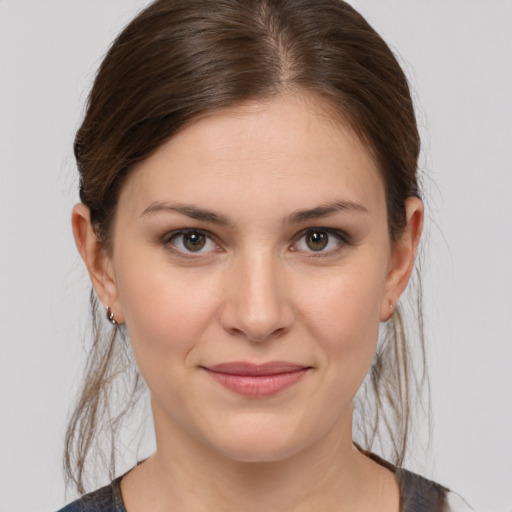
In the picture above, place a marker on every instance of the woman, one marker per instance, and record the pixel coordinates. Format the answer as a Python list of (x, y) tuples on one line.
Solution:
[(249, 217)]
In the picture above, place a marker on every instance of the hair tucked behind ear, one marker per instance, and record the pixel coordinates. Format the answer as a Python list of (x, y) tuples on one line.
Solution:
[(181, 59)]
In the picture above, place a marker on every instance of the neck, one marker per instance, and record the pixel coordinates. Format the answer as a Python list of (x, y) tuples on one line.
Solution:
[(329, 475)]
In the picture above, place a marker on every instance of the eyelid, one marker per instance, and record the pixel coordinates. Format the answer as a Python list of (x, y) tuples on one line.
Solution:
[(171, 235), (343, 238)]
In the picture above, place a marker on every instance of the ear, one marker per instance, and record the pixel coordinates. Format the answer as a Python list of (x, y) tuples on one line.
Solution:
[(403, 256), (96, 260)]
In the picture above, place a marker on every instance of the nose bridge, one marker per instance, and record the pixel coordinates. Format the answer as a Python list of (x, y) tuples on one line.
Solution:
[(257, 304)]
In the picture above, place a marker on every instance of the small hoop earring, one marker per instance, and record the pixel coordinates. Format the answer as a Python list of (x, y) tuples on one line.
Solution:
[(110, 316), (392, 310)]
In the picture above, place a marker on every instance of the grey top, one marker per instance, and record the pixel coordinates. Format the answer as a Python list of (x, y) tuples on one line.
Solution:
[(417, 494)]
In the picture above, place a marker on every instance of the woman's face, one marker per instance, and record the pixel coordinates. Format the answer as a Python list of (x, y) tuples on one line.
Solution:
[(252, 265)]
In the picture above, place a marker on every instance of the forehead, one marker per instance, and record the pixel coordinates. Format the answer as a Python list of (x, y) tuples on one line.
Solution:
[(288, 152)]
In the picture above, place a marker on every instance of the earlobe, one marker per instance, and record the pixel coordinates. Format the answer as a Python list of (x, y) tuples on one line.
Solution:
[(96, 259), (403, 256)]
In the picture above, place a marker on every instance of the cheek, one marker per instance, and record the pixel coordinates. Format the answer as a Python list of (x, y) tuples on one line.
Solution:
[(165, 309), (343, 313)]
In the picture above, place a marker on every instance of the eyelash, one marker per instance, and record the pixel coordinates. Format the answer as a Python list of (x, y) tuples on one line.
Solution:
[(342, 240), (174, 235)]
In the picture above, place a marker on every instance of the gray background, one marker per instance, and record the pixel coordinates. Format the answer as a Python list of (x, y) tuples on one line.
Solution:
[(457, 54)]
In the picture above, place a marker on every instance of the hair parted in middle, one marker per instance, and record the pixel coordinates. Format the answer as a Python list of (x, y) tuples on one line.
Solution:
[(179, 60)]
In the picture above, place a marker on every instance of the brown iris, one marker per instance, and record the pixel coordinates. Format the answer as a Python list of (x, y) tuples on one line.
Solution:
[(194, 241), (317, 240)]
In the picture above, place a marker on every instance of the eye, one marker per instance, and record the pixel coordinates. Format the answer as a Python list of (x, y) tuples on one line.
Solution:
[(191, 241), (320, 240)]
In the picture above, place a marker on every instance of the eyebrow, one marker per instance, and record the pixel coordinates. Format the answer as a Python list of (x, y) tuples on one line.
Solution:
[(193, 212), (296, 217), (325, 210)]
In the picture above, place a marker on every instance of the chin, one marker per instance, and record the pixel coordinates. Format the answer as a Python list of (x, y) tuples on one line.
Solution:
[(258, 443)]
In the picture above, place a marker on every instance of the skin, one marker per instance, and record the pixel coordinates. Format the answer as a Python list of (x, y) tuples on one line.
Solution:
[(255, 292)]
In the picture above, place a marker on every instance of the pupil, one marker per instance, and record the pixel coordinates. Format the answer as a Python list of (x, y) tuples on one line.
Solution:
[(194, 241), (317, 240)]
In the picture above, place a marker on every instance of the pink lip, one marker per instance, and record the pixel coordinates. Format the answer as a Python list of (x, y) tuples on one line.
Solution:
[(257, 380)]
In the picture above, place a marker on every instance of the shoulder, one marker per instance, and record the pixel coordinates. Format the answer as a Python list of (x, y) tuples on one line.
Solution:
[(106, 499), (418, 494)]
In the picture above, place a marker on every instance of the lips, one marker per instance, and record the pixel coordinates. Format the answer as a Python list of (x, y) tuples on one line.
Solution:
[(257, 380)]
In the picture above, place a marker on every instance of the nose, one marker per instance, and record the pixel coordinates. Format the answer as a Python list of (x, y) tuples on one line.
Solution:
[(256, 304)]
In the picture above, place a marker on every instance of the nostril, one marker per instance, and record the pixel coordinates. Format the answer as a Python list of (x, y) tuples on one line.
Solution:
[(256, 337)]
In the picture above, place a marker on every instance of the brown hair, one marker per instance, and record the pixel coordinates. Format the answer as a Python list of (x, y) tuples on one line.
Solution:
[(180, 59)]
